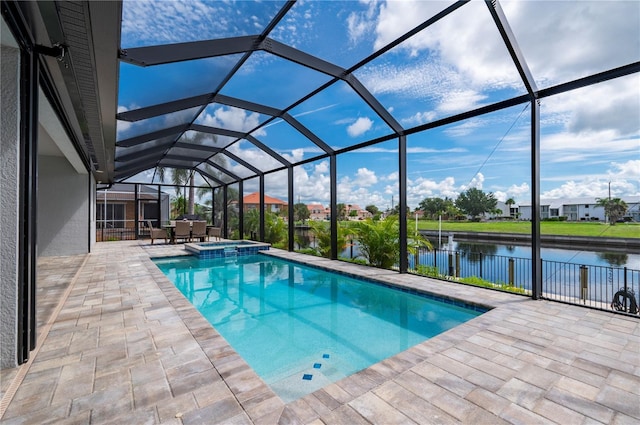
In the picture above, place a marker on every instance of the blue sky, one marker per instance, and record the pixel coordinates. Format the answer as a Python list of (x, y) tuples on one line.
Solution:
[(589, 137)]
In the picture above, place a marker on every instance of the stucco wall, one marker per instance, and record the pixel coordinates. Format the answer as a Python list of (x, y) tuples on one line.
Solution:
[(9, 62), (63, 208)]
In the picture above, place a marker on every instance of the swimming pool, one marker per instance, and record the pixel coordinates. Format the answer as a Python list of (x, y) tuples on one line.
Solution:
[(301, 328)]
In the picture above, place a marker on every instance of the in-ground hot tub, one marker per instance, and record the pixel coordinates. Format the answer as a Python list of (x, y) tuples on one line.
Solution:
[(222, 249)]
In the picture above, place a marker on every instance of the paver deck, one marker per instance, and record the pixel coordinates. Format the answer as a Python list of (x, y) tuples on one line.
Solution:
[(118, 344)]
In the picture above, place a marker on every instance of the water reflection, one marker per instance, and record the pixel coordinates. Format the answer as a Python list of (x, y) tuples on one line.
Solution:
[(614, 259)]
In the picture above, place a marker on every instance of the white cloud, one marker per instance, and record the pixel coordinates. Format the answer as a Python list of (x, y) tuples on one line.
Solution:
[(232, 118), (296, 155), (420, 118), (359, 127), (475, 52), (567, 40), (476, 182), (467, 127), (520, 193), (252, 155), (365, 177), (563, 145), (613, 105), (626, 170), (622, 178), (460, 101)]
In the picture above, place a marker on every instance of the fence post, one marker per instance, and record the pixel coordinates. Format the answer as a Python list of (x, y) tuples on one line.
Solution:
[(511, 271), (457, 264), (450, 264), (625, 289), (480, 266), (584, 287), (351, 249)]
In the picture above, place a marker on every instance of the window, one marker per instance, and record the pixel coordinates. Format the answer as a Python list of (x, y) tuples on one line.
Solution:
[(149, 211), (110, 216), (586, 206)]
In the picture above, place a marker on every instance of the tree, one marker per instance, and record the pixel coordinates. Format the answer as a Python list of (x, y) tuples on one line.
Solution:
[(372, 209), (178, 206), (379, 241), (396, 210), (183, 176), (435, 207), (614, 208), (300, 212), (322, 233), (432, 207), (275, 229), (510, 202), (342, 212), (475, 202)]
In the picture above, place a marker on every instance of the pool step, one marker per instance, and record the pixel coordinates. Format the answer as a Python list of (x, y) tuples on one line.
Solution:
[(230, 251)]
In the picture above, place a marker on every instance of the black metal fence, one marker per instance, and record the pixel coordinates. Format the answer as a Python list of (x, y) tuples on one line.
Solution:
[(607, 288), (115, 234)]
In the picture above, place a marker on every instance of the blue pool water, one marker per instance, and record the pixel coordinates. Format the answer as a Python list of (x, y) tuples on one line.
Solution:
[(301, 328)]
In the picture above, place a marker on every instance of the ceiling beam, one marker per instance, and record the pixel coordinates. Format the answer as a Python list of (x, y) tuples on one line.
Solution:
[(154, 135), (179, 52)]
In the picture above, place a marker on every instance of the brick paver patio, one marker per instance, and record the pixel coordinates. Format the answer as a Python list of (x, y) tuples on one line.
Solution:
[(119, 344)]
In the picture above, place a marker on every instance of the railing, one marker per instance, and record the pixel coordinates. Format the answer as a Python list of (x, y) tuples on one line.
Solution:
[(606, 288), (593, 286), (115, 234), (125, 230)]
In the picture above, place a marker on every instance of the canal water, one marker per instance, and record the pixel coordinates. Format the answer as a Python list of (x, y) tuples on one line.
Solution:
[(601, 258), (595, 257)]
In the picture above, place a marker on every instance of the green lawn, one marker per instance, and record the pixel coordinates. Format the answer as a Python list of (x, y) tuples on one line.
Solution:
[(620, 230)]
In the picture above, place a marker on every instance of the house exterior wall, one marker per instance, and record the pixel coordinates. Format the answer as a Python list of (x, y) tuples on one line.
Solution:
[(584, 211), (63, 208), (92, 213), (9, 198)]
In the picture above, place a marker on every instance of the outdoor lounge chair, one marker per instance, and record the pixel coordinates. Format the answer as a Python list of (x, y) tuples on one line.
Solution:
[(156, 233), (216, 232), (182, 231), (199, 230)]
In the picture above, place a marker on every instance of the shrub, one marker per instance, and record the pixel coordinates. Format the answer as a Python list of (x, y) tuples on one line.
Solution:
[(427, 270)]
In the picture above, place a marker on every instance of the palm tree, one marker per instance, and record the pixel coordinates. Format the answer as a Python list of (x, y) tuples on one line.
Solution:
[(322, 233), (614, 208), (182, 177), (510, 202), (379, 241)]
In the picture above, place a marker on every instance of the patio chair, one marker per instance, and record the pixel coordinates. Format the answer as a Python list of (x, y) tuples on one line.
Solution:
[(182, 231), (216, 232), (199, 230), (156, 233)]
